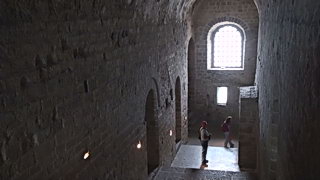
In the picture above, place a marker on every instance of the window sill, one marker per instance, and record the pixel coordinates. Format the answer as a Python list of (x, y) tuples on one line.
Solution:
[(225, 69)]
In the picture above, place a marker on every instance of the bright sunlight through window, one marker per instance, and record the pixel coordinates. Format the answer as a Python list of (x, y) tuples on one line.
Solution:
[(222, 95), (225, 47)]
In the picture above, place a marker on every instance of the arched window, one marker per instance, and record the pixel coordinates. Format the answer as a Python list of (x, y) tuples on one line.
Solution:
[(226, 42)]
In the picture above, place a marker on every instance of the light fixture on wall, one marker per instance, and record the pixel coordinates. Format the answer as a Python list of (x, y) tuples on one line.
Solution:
[(139, 145), (86, 155), (170, 133)]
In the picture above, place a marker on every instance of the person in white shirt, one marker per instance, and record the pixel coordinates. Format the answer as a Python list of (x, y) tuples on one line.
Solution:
[(204, 137)]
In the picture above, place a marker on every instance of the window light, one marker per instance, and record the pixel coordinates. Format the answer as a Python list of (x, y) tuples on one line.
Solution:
[(222, 95), (227, 48)]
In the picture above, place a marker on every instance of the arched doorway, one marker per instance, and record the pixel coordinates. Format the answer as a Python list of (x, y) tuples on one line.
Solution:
[(152, 132), (178, 110)]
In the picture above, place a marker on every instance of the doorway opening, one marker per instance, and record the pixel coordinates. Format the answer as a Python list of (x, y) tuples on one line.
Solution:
[(152, 133), (178, 110)]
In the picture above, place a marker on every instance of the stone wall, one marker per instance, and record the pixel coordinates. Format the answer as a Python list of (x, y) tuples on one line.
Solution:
[(206, 14), (74, 77), (249, 128), (289, 96)]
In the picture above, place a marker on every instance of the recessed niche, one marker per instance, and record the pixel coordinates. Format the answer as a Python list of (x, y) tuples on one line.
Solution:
[(171, 94), (167, 103), (86, 86)]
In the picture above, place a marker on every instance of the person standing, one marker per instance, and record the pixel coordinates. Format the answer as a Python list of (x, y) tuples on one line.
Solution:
[(226, 130), (204, 137)]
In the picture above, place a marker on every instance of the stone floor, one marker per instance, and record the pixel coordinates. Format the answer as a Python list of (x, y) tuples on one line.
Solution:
[(170, 173), (223, 163), (220, 158)]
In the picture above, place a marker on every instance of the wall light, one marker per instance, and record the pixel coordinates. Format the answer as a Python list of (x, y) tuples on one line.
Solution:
[(170, 133), (139, 145), (86, 155)]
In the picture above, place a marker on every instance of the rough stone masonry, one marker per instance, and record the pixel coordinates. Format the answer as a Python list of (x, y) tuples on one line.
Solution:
[(288, 74), (75, 75)]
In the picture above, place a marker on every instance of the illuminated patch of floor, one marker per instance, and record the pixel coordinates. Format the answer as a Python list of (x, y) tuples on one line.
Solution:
[(220, 158)]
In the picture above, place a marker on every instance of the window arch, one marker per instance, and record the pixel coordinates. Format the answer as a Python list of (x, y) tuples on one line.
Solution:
[(225, 47)]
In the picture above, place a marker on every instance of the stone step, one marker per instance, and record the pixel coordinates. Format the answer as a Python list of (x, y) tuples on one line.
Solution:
[(170, 173)]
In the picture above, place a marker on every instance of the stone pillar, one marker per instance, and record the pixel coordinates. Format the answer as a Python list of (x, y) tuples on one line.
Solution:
[(248, 128)]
